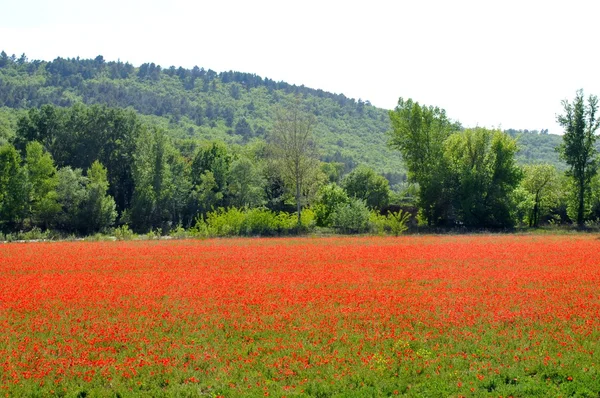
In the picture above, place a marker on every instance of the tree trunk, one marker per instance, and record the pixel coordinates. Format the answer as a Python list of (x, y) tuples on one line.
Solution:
[(536, 211), (298, 201), (580, 199)]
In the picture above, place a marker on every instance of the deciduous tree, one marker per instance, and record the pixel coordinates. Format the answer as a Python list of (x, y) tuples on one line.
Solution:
[(540, 181), (481, 176), (42, 181), (578, 148), (364, 183), (294, 150), (13, 188), (419, 133)]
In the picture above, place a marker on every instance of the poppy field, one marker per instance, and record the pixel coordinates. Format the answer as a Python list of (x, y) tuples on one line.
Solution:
[(487, 315)]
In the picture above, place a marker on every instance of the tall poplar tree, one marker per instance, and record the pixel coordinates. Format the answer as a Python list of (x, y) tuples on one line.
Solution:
[(578, 148)]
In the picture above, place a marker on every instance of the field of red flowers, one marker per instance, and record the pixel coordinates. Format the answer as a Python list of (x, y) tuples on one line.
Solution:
[(422, 316)]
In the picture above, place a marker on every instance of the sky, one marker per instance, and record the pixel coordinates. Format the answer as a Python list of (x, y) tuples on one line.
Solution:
[(496, 64)]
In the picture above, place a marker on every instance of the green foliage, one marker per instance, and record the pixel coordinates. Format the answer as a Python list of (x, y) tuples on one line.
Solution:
[(246, 184), (72, 195), (537, 147), (294, 152), (333, 171), (394, 223), (364, 183), (153, 198), (79, 135), (397, 222), (329, 198), (419, 133), (42, 181), (216, 159), (194, 165), (482, 175), (100, 209), (578, 149), (251, 222), (13, 188), (179, 232), (351, 217), (196, 103), (541, 192), (8, 124), (124, 233)]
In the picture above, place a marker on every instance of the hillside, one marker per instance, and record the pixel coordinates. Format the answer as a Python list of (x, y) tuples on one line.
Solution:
[(201, 104), (536, 147)]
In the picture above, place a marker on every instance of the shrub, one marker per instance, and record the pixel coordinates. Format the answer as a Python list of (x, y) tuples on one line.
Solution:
[(392, 223), (251, 222), (397, 222), (123, 233), (178, 232), (378, 223), (352, 217), (260, 222), (329, 198), (224, 222)]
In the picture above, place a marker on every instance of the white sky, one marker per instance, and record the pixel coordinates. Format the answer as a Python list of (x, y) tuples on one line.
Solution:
[(501, 64)]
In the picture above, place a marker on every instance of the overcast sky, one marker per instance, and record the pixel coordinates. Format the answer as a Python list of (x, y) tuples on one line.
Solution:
[(501, 64)]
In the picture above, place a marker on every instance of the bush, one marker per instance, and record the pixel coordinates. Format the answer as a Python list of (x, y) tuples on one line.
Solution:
[(392, 223), (352, 217), (123, 233), (251, 222), (378, 223), (329, 198), (397, 222), (178, 232), (224, 222), (260, 222)]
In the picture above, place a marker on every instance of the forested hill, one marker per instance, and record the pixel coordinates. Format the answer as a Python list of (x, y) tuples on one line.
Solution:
[(201, 104)]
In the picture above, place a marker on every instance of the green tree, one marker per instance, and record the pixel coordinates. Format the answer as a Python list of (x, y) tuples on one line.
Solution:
[(13, 188), (181, 182), (153, 182), (216, 159), (206, 193), (246, 184), (351, 217), (100, 208), (79, 135), (329, 198), (242, 128), (42, 179), (333, 171), (43, 125), (481, 176), (72, 195), (578, 147), (364, 183), (294, 151), (419, 133), (540, 181)]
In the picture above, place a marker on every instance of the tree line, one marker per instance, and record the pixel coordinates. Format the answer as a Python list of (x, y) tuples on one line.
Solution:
[(86, 169), (469, 177)]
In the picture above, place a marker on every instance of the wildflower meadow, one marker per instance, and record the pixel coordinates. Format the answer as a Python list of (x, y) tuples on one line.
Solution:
[(491, 315)]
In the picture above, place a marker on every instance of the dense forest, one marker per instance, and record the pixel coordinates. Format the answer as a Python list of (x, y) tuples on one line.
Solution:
[(201, 104), (87, 145), (233, 107)]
